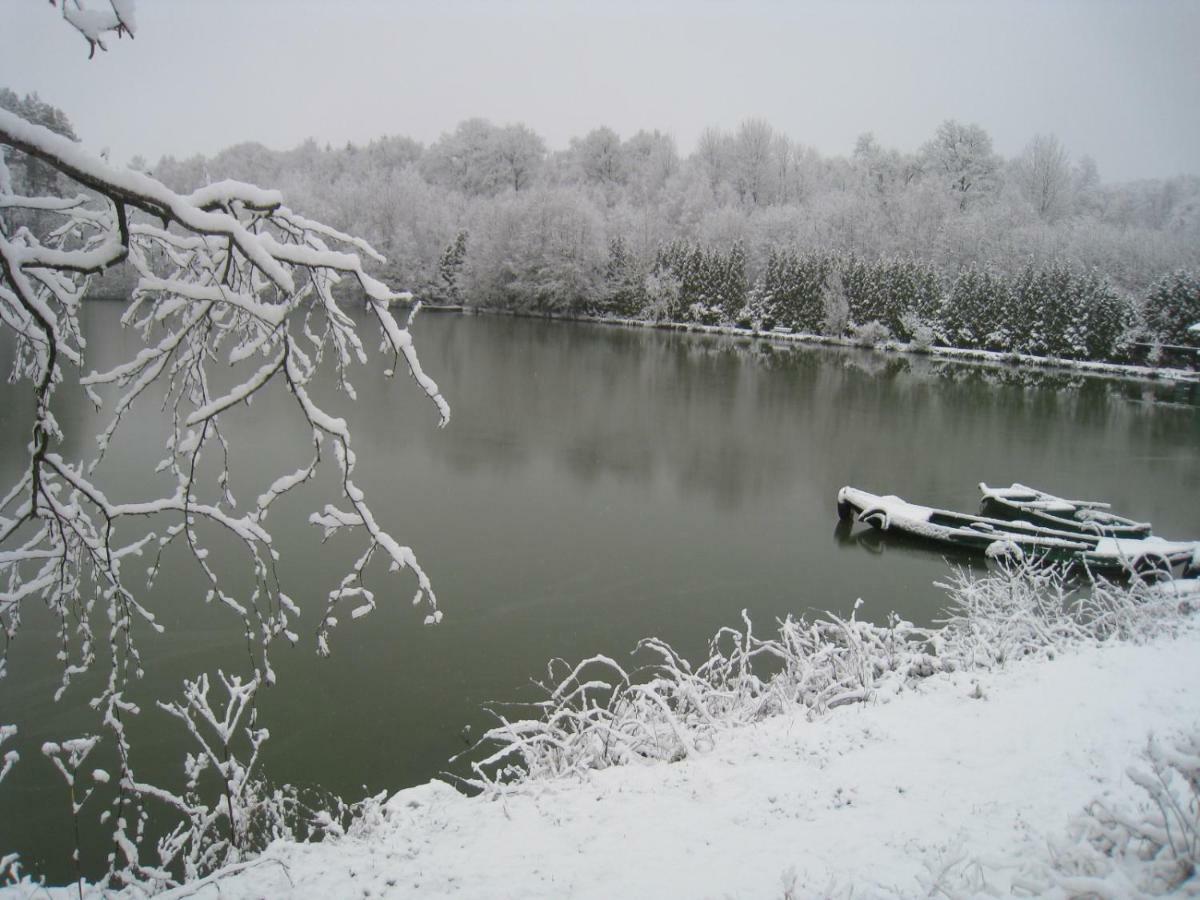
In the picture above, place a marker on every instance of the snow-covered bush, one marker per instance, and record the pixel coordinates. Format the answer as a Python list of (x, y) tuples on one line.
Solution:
[(1149, 851), (921, 335), (600, 713), (870, 334)]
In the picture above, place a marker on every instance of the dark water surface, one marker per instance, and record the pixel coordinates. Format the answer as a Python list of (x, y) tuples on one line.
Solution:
[(596, 485)]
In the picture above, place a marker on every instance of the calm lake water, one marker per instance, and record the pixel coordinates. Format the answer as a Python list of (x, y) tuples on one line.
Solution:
[(596, 485)]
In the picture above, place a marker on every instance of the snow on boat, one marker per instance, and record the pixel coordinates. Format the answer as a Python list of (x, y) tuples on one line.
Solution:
[(1150, 557), (1083, 516)]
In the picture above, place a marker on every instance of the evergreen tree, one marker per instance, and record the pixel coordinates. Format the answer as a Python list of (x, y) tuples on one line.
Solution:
[(450, 268), (1109, 320), (794, 288), (623, 292), (972, 314), (1172, 306)]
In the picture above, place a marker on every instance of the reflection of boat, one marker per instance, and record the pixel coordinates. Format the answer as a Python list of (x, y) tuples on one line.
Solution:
[(1148, 556), (1082, 516)]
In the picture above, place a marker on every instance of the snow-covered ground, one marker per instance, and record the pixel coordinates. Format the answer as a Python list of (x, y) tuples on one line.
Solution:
[(961, 777)]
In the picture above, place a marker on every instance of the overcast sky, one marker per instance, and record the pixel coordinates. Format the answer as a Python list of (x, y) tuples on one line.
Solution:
[(1117, 80)]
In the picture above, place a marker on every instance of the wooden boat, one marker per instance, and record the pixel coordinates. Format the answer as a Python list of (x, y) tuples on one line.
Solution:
[(1082, 516), (1150, 557)]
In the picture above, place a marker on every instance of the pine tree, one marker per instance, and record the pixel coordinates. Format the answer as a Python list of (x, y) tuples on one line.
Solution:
[(623, 292), (1172, 306), (450, 268)]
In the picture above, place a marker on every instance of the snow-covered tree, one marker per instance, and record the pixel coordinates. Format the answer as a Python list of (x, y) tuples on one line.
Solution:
[(481, 158), (1171, 308), (961, 156), (1043, 173)]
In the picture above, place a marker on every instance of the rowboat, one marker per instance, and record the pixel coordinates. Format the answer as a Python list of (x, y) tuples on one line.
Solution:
[(1149, 557), (1078, 516)]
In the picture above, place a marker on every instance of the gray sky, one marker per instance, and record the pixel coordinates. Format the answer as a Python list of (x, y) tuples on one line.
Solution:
[(1118, 80)]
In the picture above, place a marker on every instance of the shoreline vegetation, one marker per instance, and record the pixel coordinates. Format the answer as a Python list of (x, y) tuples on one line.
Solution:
[(954, 354), (818, 739)]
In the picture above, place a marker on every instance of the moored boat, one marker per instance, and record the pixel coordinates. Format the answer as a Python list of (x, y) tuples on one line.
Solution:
[(1023, 503), (1146, 556)]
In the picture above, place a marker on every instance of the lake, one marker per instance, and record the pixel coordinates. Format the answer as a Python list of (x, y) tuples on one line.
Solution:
[(595, 485)]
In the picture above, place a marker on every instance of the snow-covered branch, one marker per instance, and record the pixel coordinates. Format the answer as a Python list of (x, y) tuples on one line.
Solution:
[(230, 282)]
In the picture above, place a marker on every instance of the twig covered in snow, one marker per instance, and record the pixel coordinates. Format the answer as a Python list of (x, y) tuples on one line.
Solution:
[(229, 281), (93, 24)]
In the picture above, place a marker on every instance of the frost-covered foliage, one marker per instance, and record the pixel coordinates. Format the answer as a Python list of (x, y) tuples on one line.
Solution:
[(541, 250), (1171, 307), (624, 293), (712, 283), (234, 297), (600, 713), (891, 292), (1146, 847), (792, 291), (1151, 850), (952, 206), (1022, 609)]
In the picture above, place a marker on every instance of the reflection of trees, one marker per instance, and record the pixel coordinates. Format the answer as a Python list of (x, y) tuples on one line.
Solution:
[(733, 418)]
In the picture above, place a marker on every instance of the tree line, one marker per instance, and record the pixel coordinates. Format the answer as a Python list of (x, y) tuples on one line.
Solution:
[(951, 242)]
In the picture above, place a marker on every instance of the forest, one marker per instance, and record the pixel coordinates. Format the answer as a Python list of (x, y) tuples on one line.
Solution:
[(951, 244)]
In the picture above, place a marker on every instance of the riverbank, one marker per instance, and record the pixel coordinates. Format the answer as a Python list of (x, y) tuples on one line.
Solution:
[(952, 354), (960, 782), (1014, 757)]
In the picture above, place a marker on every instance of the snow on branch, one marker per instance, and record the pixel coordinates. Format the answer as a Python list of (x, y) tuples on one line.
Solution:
[(229, 282), (93, 24)]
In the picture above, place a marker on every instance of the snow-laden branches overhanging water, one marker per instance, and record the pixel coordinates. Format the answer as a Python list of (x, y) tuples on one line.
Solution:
[(229, 278)]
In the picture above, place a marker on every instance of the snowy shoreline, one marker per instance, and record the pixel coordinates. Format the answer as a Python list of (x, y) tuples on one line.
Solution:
[(959, 782), (954, 354), (973, 770)]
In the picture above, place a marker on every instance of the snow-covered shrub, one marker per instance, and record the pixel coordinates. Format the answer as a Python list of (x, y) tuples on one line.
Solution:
[(871, 334), (922, 335), (1148, 851), (226, 813), (600, 713), (1023, 607), (704, 314)]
